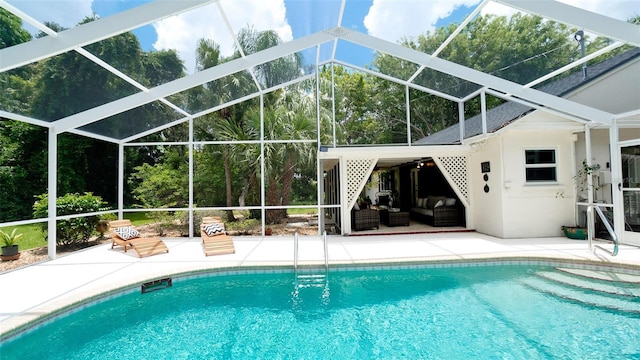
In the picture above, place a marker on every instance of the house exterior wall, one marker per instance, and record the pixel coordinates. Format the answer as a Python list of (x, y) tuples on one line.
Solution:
[(486, 207), (512, 208), (617, 92)]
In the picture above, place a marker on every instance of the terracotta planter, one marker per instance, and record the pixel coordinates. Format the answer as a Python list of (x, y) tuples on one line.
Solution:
[(267, 231), (574, 232), (10, 257)]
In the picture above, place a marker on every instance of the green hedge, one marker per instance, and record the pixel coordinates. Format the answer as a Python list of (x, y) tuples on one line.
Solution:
[(76, 231)]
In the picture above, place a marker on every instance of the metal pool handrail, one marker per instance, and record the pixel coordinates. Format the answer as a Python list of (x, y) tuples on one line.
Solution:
[(295, 253), (326, 251), (591, 230), (325, 247)]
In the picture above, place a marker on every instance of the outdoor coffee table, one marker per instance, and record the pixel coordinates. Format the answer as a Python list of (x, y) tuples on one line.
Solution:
[(394, 217)]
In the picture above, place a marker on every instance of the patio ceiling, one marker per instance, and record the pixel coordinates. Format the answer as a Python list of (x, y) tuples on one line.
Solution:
[(333, 44)]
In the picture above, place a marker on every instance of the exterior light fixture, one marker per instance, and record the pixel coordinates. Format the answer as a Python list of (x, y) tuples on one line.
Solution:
[(579, 36)]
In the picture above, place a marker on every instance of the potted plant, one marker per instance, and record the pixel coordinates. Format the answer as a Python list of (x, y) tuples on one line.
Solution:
[(575, 232), (582, 184), (9, 246)]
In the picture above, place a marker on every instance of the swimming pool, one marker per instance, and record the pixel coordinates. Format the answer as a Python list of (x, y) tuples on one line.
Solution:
[(450, 312)]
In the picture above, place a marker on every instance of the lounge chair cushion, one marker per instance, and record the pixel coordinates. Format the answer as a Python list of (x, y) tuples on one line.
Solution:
[(127, 232), (214, 229)]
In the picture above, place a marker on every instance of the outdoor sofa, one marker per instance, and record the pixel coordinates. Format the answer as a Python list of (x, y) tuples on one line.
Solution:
[(437, 211)]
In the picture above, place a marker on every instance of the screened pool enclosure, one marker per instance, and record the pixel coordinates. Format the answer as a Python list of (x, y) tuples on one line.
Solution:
[(284, 90)]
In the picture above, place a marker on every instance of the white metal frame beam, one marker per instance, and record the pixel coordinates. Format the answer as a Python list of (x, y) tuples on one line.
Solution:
[(188, 82), (85, 34), (478, 77), (583, 19), (73, 39)]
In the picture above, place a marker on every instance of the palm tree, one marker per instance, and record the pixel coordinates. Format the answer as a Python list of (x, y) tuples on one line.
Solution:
[(288, 114), (208, 55)]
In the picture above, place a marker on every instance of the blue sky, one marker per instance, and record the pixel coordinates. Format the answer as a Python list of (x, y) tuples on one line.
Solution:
[(303, 16), (386, 19)]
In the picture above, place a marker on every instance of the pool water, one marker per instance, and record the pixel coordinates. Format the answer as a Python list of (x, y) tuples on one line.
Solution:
[(486, 312)]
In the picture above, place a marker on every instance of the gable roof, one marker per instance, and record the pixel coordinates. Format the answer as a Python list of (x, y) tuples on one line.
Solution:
[(509, 112)]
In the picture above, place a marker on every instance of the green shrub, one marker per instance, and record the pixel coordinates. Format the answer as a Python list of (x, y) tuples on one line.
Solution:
[(76, 231)]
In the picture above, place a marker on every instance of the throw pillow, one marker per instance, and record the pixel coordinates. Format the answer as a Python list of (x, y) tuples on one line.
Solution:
[(127, 232), (420, 202), (433, 200), (214, 229), (439, 203), (450, 202)]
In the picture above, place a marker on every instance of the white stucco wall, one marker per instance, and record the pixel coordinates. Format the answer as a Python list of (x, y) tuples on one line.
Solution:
[(617, 92), (538, 210), (487, 207), (512, 208)]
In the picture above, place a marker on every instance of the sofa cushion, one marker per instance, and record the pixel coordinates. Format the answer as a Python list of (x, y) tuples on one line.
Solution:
[(433, 200), (422, 211)]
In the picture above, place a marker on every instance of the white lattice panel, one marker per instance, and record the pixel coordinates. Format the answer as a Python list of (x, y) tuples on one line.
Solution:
[(357, 173), (456, 168)]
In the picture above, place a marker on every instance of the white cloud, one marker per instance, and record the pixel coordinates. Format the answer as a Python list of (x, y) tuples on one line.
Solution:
[(64, 13), (183, 31), (617, 9), (391, 19)]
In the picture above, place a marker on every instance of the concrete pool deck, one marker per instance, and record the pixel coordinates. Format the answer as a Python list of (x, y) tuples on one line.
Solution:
[(31, 293)]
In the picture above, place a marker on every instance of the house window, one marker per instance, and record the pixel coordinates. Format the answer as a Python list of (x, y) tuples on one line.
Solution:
[(540, 166)]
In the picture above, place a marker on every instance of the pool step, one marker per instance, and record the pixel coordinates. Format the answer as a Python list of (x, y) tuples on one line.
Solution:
[(604, 275), (592, 283), (310, 278), (581, 296)]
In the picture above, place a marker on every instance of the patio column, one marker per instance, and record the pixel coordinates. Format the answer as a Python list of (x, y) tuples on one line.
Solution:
[(120, 181), (616, 181), (52, 193)]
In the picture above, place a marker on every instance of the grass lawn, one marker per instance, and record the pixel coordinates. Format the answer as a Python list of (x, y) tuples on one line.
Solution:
[(33, 236)]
